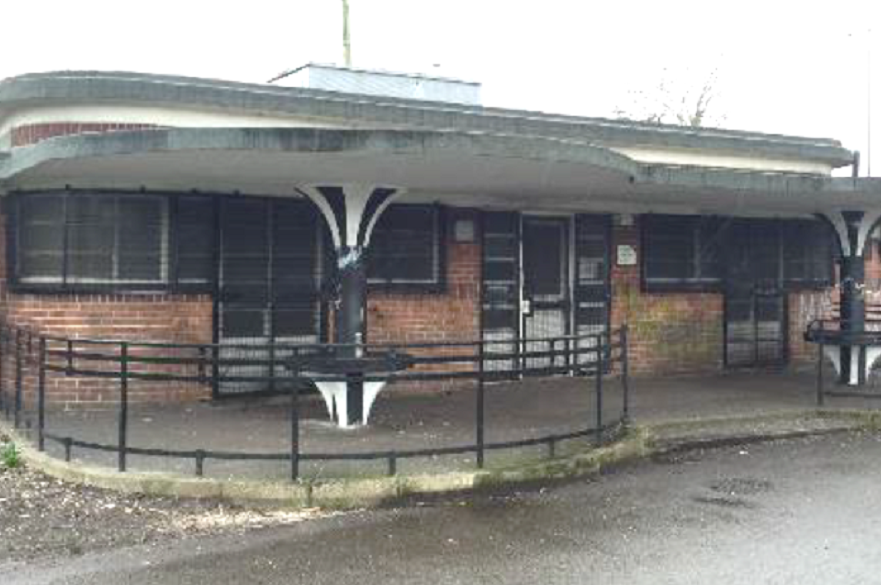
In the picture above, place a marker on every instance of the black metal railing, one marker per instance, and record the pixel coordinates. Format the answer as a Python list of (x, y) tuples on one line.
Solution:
[(39, 361), (835, 333)]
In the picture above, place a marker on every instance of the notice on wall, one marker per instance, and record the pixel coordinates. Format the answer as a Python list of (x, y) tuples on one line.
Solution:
[(463, 230), (625, 255)]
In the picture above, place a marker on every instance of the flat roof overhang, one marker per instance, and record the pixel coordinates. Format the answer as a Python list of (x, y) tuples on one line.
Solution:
[(458, 168), (115, 88)]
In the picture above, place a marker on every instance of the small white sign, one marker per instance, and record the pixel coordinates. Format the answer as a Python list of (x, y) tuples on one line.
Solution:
[(626, 255), (463, 230)]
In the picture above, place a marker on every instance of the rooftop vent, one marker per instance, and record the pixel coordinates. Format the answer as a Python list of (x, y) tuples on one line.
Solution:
[(383, 83)]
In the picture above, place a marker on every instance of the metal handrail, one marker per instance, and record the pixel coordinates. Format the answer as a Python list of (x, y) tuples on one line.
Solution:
[(62, 355)]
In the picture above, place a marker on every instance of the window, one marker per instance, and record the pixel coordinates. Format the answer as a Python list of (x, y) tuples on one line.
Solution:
[(40, 242), (807, 253), (697, 253), (85, 239), (405, 247), (682, 251), (501, 274), (194, 244)]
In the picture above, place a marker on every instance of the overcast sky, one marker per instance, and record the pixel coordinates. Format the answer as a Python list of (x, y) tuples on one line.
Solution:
[(796, 67)]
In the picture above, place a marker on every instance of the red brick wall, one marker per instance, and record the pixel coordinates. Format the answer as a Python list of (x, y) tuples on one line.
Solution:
[(144, 317), (451, 315), (33, 133), (669, 332), (133, 317)]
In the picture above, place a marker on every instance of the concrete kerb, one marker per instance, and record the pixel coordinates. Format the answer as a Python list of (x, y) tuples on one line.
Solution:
[(636, 442)]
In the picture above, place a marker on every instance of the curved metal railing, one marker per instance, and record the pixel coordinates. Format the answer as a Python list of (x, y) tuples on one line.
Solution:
[(45, 357)]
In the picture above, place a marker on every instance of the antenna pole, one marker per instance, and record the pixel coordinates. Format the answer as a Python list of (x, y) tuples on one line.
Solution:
[(869, 107), (347, 45)]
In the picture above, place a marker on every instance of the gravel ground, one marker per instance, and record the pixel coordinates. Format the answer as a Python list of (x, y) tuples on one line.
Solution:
[(42, 517)]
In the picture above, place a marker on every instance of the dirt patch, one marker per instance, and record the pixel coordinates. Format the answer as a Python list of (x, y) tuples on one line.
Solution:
[(45, 517)]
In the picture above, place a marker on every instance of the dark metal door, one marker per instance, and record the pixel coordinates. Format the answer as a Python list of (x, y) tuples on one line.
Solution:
[(500, 290), (268, 286), (755, 303), (592, 277), (546, 306)]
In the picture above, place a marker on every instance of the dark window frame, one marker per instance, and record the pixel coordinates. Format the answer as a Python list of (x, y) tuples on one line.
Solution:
[(171, 283), (439, 241), (717, 285), (810, 283), (698, 283), (177, 283), (64, 282)]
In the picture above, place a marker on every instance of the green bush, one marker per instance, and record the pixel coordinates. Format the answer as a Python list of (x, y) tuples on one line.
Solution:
[(10, 456)]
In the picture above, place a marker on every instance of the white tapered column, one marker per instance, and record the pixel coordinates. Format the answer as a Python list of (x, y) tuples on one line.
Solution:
[(351, 212), (852, 228)]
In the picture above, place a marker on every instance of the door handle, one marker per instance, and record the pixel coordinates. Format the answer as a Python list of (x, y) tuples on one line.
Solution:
[(526, 306)]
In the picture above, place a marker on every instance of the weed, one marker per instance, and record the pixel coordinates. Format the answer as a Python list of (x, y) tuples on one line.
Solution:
[(10, 456)]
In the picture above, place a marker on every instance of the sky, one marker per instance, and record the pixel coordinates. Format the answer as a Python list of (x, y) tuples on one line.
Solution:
[(780, 66)]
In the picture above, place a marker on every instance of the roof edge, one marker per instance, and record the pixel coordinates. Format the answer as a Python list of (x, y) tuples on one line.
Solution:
[(130, 87)]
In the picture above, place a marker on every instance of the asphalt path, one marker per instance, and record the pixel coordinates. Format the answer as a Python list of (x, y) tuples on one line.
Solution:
[(799, 511)]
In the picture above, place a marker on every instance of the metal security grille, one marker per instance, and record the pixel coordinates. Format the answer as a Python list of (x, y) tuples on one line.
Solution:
[(269, 283), (500, 303), (755, 303), (564, 289), (546, 293), (592, 276)]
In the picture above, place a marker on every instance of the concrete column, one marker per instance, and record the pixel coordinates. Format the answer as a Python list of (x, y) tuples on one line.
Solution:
[(351, 212)]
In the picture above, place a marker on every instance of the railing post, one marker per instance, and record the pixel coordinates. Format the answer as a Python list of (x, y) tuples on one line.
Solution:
[(41, 396), (201, 369), (480, 403), (215, 371), (598, 386), (521, 358), (272, 365), (567, 348), (200, 462), (69, 370), (123, 404), (295, 430), (392, 464), (4, 401), (18, 389), (625, 375), (820, 397)]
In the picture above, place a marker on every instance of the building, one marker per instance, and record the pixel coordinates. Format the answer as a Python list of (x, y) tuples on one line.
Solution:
[(179, 209)]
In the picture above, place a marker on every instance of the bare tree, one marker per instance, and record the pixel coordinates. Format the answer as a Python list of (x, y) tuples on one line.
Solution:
[(674, 102)]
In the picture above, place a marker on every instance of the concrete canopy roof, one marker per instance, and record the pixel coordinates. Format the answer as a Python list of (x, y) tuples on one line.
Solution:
[(276, 160), (453, 167), (84, 87)]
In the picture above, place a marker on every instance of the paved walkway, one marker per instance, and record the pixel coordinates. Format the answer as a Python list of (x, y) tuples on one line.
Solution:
[(514, 411)]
